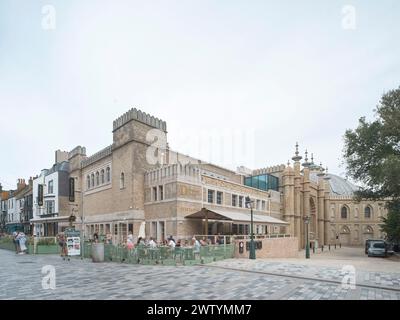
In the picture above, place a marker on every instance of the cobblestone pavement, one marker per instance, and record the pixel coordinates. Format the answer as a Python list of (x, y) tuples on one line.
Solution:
[(21, 278)]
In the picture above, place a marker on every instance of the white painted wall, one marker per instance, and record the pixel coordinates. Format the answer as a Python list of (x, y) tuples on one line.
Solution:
[(12, 210)]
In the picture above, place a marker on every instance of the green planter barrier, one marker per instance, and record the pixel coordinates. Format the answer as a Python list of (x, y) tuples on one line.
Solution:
[(205, 260), (30, 249), (190, 262), (7, 246), (50, 249), (169, 262)]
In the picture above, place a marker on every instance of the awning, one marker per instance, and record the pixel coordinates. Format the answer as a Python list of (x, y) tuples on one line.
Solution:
[(234, 216), (51, 219)]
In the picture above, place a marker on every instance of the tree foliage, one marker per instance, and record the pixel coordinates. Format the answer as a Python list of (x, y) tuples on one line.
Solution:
[(372, 156)]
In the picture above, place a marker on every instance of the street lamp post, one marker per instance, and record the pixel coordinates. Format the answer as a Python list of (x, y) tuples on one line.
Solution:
[(307, 221), (249, 204)]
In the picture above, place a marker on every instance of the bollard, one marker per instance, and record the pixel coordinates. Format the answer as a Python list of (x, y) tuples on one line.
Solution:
[(313, 249), (329, 247), (335, 246), (322, 248), (340, 245)]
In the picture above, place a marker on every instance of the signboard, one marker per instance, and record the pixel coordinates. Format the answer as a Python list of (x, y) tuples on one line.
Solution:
[(40, 195), (74, 246), (73, 242), (72, 189)]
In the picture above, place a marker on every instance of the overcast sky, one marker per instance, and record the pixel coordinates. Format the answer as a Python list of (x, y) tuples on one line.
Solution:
[(267, 73)]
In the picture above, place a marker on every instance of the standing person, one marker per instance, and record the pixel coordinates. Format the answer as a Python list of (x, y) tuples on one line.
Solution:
[(140, 242), (63, 245), (196, 245), (152, 243), (16, 241), (171, 242), (96, 237), (21, 238), (129, 243)]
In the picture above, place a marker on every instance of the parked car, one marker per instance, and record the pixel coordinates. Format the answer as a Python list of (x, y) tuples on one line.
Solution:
[(367, 243), (377, 249)]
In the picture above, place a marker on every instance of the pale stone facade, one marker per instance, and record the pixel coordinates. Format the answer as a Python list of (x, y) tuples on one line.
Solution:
[(120, 191)]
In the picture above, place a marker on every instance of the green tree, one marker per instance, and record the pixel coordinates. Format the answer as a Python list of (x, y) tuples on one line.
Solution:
[(372, 156)]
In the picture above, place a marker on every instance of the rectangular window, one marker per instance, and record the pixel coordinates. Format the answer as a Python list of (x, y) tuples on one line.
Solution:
[(235, 229), (234, 200), (211, 196), (219, 197), (263, 205), (263, 180), (50, 188), (258, 205), (154, 193), (50, 207), (161, 192), (241, 201)]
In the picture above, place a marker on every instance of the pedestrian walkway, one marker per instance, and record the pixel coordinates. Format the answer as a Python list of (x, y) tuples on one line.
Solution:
[(21, 277)]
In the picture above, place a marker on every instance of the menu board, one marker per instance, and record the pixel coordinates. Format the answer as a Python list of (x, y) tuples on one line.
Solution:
[(74, 246)]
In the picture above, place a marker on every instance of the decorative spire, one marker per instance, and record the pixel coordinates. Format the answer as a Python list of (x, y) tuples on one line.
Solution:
[(306, 163), (321, 170), (297, 157), (327, 177), (288, 163), (312, 158)]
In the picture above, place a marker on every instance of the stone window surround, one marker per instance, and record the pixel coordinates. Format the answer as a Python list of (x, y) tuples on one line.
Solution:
[(94, 172)]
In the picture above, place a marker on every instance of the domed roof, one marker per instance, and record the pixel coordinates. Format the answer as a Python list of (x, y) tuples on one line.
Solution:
[(339, 186)]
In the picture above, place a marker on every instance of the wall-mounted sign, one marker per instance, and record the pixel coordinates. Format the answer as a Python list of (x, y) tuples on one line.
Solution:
[(40, 195), (72, 189)]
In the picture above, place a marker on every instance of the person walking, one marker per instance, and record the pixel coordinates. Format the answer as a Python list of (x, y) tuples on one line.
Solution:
[(63, 246), (21, 238), (16, 242)]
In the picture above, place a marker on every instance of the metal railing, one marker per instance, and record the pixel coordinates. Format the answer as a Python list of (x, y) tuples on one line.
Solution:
[(265, 236), (163, 254)]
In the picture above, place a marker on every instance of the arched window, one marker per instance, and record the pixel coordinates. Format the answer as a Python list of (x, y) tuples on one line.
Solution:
[(92, 184), (343, 213), (102, 176), (367, 212), (97, 178), (369, 229), (88, 182), (345, 229), (108, 175), (122, 181)]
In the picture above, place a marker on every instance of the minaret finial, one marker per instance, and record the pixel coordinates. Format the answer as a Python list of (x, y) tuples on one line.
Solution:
[(306, 163), (312, 157), (297, 157)]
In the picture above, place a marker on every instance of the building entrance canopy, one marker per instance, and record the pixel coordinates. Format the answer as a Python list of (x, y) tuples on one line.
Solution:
[(237, 217)]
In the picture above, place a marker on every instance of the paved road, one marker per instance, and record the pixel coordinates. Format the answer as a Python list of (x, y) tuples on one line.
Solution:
[(21, 278)]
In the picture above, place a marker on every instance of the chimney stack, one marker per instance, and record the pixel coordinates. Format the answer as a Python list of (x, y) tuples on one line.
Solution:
[(21, 184)]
